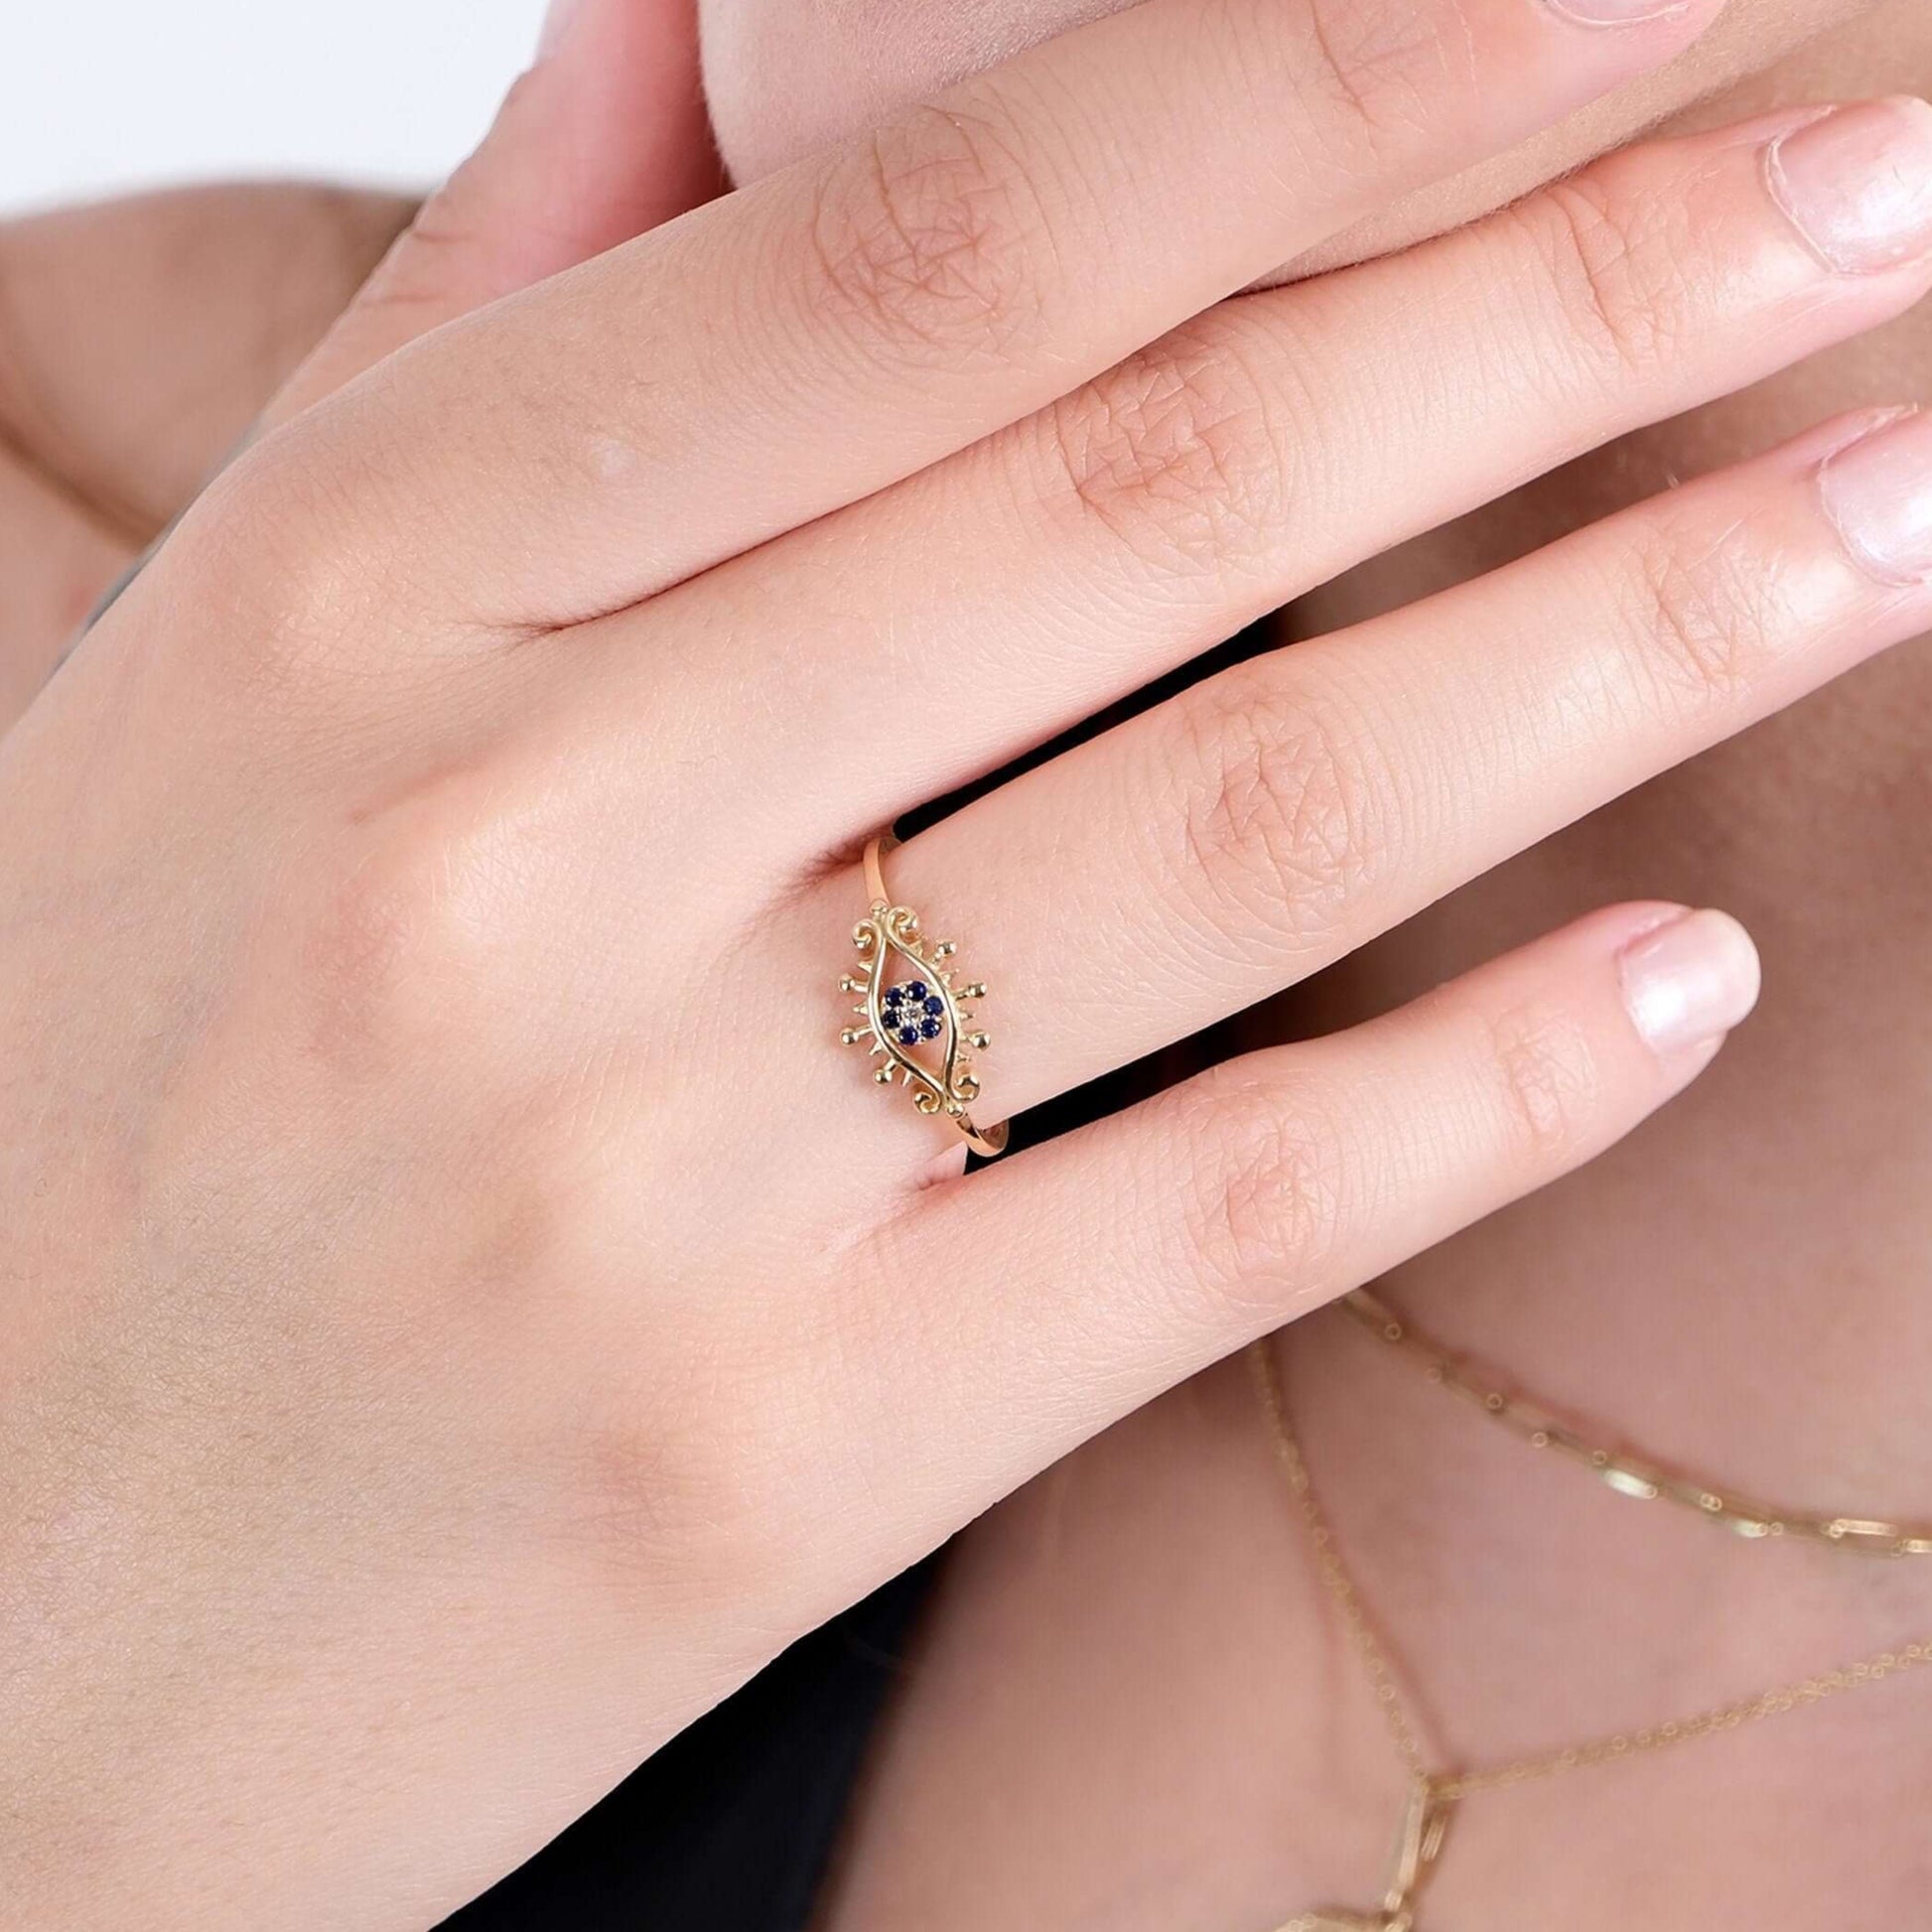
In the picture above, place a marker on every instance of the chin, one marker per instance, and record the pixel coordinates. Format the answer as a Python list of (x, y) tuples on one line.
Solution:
[(787, 76)]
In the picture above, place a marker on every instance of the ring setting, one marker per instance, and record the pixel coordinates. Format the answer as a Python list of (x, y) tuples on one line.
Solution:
[(918, 1023)]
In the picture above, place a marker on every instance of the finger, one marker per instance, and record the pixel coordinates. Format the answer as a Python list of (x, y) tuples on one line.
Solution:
[(1278, 816), (859, 317), (603, 139), (1084, 1277), (1270, 445)]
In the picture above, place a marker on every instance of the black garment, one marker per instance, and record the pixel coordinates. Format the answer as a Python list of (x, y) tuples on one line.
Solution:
[(729, 1827)]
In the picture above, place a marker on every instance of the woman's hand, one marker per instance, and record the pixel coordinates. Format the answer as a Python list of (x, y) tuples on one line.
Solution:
[(145, 338), (467, 1312), (138, 339)]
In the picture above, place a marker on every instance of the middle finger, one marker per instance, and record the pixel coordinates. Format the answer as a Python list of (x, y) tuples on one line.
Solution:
[(954, 623)]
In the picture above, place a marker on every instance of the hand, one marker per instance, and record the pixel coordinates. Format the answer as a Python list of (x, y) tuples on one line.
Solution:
[(142, 337), (471, 1314), (147, 337)]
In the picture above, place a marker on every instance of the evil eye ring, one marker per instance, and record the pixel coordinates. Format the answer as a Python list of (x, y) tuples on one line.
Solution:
[(919, 1025)]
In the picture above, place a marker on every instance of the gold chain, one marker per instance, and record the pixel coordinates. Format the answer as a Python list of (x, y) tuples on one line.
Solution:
[(1532, 1422), (1449, 1787)]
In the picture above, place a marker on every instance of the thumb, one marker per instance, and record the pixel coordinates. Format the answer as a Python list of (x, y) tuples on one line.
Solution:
[(603, 137)]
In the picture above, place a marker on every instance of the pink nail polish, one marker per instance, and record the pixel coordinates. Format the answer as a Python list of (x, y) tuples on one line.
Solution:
[(1856, 183), (1689, 982), (1877, 493)]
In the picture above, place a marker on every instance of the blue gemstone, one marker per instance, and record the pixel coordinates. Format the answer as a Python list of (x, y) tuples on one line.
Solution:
[(917, 991), (930, 1030), (892, 997), (935, 1006), (909, 1036)]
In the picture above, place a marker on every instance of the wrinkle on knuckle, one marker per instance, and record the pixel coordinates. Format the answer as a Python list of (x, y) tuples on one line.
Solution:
[(1613, 273), (1282, 818), (1385, 72), (1547, 1084), (1702, 611), (1267, 1193), (1175, 455), (930, 242)]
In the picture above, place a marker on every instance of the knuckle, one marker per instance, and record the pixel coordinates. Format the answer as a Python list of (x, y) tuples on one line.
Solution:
[(263, 545), (1612, 266), (1704, 611), (1266, 1193), (1286, 814), (1174, 454), (928, 242), (1547, 1084), (1388, 70), (705, 1468), (402, 938)]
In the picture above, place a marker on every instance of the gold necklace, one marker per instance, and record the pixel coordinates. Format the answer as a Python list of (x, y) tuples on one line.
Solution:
[(1436, 1795), (1534, 1423)]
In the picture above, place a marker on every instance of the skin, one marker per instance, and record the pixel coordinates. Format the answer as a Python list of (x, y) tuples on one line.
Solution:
[(785, 76), (221, 291), (1137, 1639), (234, 307), (385, 1513)]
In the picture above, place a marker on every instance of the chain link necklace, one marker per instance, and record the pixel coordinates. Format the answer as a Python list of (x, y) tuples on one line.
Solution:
[(1534, 1423), (1436, 1795)]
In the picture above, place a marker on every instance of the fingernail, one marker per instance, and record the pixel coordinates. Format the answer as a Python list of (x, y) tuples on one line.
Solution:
[(1877, 493), (1690, 980), (1856, 183), (556, 24), (1617, 13)]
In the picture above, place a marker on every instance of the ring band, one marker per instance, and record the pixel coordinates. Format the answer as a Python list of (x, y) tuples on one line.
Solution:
[(916, 1021)]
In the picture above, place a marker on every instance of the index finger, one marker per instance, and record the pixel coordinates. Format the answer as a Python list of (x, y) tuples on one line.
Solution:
[(809, 340), (603, 139)]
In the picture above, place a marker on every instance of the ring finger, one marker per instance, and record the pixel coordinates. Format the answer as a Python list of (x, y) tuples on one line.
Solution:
[(1281, 814), (1274, 443)]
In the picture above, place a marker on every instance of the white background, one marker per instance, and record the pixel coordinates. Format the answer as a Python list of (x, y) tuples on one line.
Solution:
[(104, 95)]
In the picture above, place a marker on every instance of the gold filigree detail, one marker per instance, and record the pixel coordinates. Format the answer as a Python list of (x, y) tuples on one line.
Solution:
[(941, 1078)]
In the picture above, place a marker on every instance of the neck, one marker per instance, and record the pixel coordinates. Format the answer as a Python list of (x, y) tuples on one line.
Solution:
[(1744, 1290)]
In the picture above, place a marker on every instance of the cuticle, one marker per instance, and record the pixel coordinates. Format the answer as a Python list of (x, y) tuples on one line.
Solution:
[(1852, 545), (1662, 14), (1777, 185)]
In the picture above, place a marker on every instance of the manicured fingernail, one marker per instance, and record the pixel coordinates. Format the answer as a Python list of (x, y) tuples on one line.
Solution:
[(1687, 981), (1617, 13), (556, 24), (1877, 493), (1856, 183)]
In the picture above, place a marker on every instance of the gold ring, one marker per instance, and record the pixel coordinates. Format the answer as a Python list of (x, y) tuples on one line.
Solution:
[(917, 1022)]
